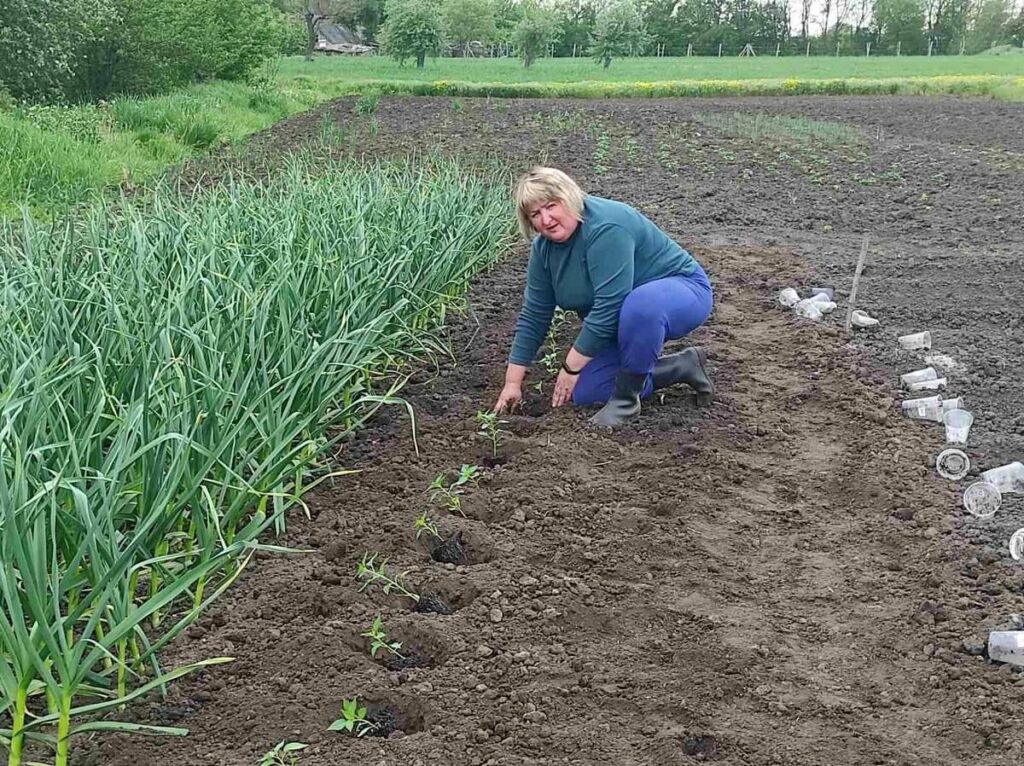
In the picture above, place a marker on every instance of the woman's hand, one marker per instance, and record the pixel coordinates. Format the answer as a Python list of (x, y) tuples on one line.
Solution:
[(564, 385), (511, 395)]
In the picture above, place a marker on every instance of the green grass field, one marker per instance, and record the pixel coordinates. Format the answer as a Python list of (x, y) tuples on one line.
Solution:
[(354, 69), (55, 156)]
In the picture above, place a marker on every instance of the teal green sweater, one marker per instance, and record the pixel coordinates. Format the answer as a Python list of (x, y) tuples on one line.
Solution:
[(613, 250)]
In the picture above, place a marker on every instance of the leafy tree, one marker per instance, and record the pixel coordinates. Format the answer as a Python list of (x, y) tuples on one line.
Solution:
[(900, 21), (947, 24), (412, 29), (575, 25), (618, 31), (363, 17), (1016, 30), (663, 25), (165, 43), (535, 33), (469, 21), (991, 25), (45, 44)]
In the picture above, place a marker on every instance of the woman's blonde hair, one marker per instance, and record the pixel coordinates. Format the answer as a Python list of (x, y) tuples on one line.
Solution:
[(541, 185)]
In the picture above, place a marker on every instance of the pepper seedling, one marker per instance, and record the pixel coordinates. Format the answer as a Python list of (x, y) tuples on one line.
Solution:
[(353, 719), (449, 494), (424, 524), (283, 754), (489, 427), (369, 572), (379, 640)]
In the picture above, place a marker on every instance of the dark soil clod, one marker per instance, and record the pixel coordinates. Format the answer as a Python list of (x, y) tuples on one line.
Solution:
[(383, 719), (451, 551), (406, 661), (702, 748), (431, 603)]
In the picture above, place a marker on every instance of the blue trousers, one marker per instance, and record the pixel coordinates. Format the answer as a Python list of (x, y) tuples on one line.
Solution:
[(664, 309)]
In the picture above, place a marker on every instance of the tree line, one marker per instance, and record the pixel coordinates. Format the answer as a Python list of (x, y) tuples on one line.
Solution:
[(89, 49)]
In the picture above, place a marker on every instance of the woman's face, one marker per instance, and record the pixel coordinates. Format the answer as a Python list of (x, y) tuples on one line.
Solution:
[(552, 220)]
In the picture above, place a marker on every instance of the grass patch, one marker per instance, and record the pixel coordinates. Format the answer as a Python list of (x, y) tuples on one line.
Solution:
[(55, 156), (778, 129), (627, 70)]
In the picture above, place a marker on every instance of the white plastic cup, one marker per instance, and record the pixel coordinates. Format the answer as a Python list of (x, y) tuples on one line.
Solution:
[(826, 307), (982, 499), (925, 412), (1007, 478), (956, 403), (952, 464), (924, 401), (918, 376), (915, 341), (789, 297), (928, 385), (860, 319), (828, 292), (958, 425), (1006, 646), (1017, 545), (809, 309)]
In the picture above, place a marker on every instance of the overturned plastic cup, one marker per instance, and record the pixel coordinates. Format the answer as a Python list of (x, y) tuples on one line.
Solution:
[(789, 297), (918, 376), (859, 319), (1017, 544), (930, 411), (952, 464), (956, 403), (915, 341), (1006, 478), (982, 499), (828, 292), (809, 309), (958, 425), (928, 385)]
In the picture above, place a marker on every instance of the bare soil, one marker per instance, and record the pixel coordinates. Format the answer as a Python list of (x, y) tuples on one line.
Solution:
[(782, 579)]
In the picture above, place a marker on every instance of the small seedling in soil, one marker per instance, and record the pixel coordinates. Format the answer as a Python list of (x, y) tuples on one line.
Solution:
[(369, 572), (489, 427), (354, 721), (450, 551), (283, 754), (379, 640), (424, 524), (449, 494)]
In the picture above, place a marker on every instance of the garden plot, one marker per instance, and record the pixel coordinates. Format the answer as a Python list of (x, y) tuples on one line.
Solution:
[(780, 580)]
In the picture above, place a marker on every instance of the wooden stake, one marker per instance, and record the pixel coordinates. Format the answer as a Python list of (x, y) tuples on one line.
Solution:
[(856, 283)]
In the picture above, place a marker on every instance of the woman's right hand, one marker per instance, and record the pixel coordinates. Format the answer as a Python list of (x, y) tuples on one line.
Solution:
[(511, 395)]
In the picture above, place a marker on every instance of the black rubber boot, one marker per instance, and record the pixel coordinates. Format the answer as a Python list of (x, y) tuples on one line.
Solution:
[(686, 367), (625, 401)]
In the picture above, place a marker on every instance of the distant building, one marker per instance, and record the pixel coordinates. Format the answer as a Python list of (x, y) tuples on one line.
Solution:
[(335, 38)]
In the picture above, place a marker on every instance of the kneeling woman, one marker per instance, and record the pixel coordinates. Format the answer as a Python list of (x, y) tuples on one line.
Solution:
[(633, 286)]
